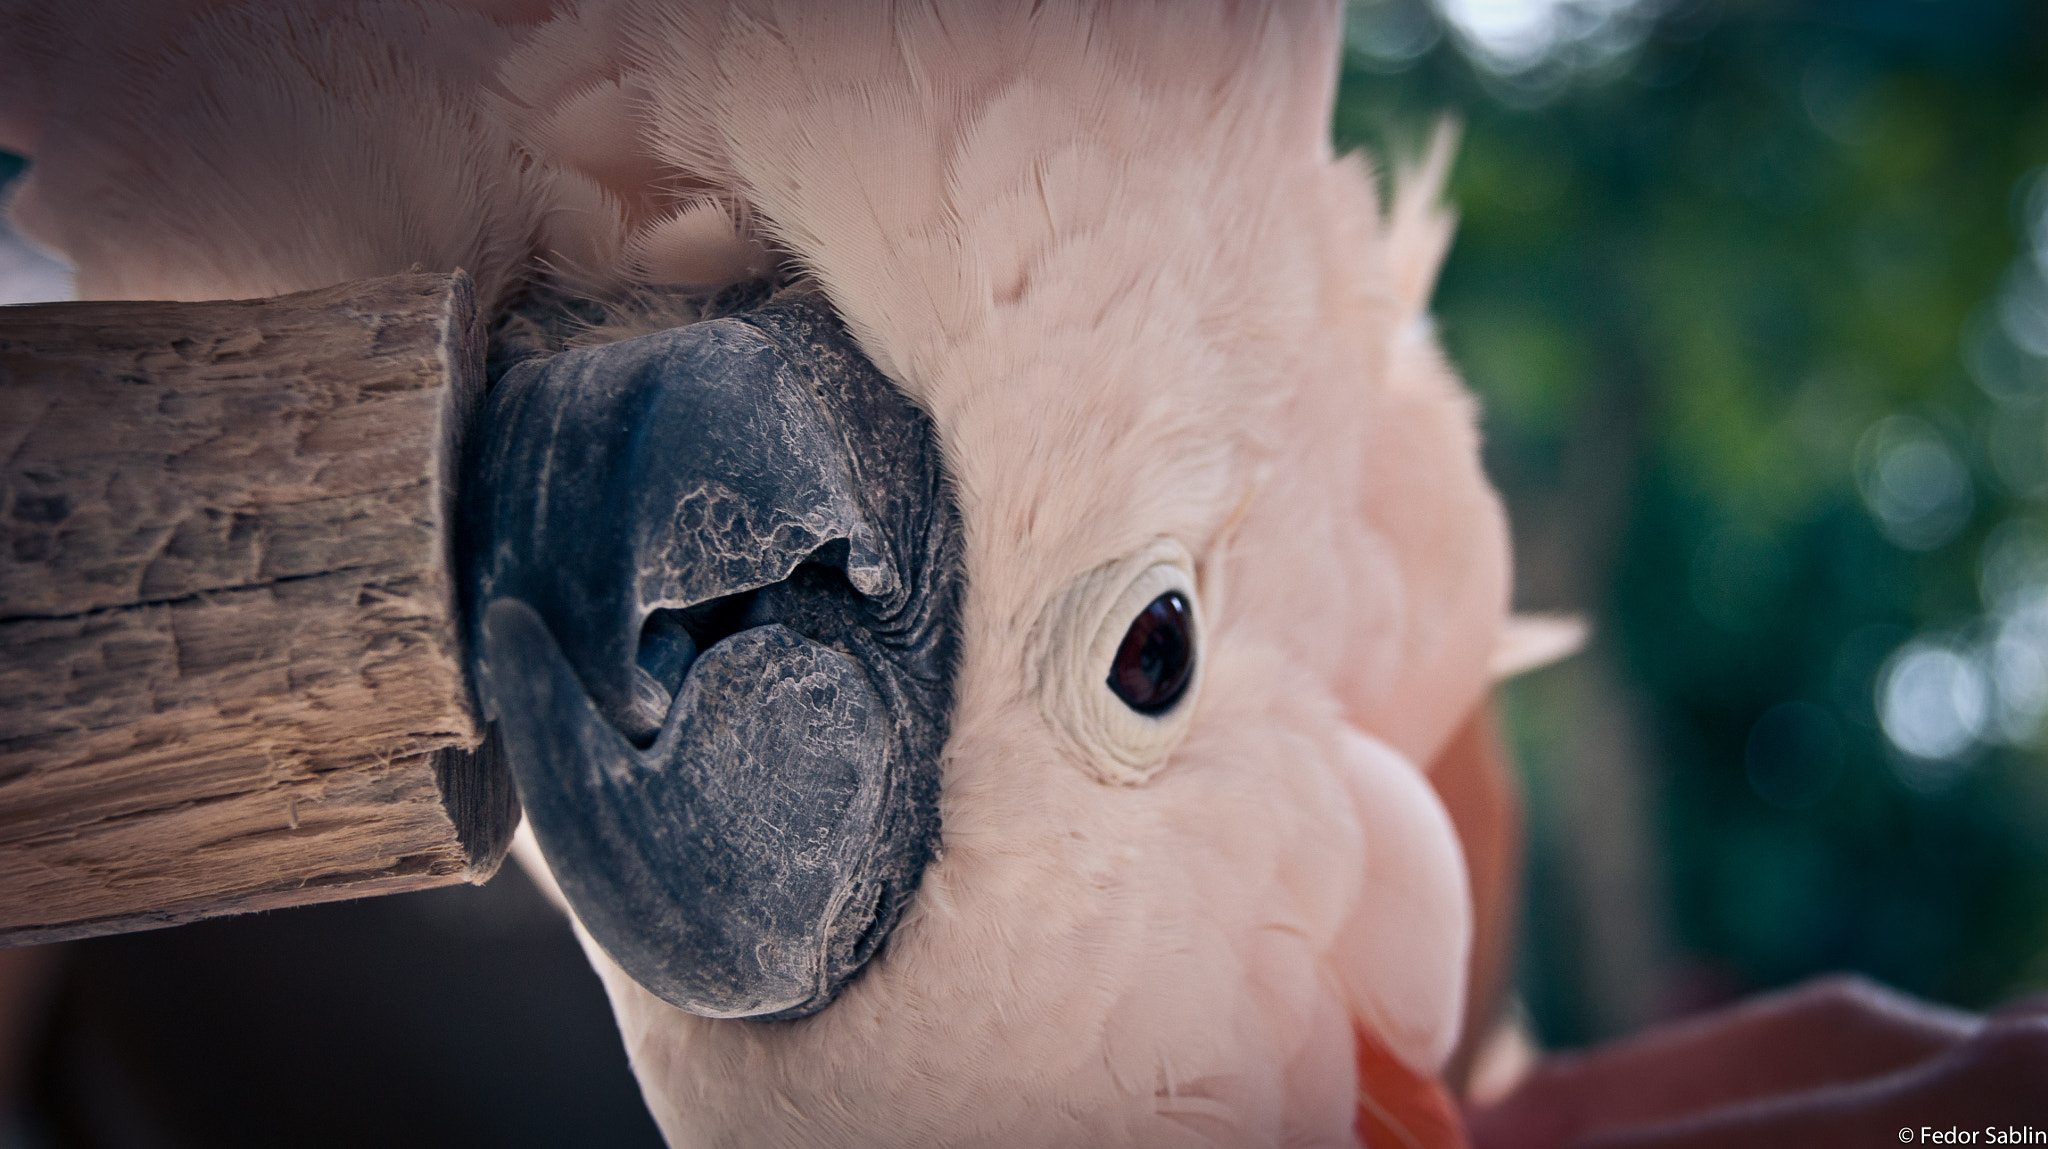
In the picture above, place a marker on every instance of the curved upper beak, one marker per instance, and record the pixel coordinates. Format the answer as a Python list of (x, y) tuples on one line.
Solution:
[(714, 579)]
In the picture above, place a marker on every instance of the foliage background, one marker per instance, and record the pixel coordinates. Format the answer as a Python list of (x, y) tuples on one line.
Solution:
[(1749, 294)]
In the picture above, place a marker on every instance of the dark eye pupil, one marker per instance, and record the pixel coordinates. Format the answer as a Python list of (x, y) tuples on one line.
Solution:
[(1156, 656)]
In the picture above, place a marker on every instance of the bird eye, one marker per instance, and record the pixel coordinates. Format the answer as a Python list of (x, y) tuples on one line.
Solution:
[(1156, 657)]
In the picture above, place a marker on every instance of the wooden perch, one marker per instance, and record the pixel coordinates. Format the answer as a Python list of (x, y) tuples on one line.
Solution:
[(230, 675)]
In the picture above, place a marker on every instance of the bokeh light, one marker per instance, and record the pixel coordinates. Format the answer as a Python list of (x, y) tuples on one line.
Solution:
[(1934, 702), (1517, 35)]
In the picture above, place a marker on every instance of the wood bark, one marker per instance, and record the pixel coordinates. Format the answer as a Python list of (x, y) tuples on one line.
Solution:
[(230, 670)]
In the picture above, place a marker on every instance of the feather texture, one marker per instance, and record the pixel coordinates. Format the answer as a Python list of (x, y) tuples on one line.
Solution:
[(1108, 248)]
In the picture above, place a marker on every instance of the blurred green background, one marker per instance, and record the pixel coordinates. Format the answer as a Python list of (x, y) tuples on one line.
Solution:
[(1753, 297)]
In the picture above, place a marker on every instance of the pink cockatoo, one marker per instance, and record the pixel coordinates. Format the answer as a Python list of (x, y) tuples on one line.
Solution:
[(1170, 346)]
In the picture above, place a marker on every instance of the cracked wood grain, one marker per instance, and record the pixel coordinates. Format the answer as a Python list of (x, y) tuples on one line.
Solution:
[(230, 675)]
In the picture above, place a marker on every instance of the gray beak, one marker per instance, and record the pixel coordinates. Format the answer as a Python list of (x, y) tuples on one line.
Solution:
[(714, 579)]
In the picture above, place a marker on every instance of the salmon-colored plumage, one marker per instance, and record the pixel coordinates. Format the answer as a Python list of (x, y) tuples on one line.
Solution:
[(1399, 1106)]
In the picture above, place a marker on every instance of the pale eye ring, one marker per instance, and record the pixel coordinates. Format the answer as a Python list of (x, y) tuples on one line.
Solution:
[(1156, 658), (1119, 656)]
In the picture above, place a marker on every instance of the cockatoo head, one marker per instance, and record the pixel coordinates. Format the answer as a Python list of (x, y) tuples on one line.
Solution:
[(1208, 565)]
